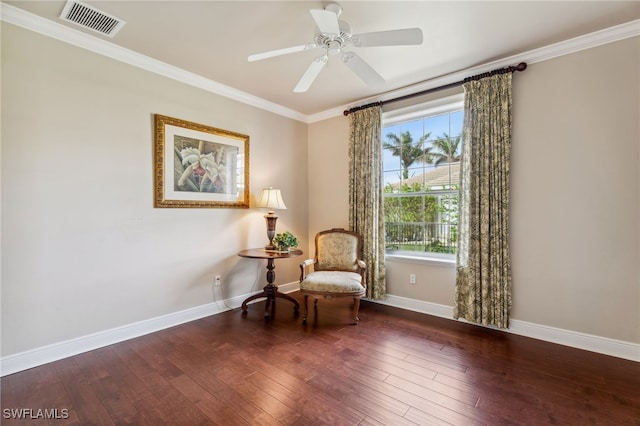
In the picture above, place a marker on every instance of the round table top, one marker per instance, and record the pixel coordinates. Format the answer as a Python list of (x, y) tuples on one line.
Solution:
[(261, 253)]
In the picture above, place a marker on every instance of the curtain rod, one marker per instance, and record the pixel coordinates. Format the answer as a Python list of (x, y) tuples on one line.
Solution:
[(520, 67)]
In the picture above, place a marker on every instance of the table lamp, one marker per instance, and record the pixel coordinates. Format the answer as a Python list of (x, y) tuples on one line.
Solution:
[(271, 199)]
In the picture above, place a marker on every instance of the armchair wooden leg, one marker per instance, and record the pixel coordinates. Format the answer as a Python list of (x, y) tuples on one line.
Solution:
[(305, 308), (356, 307)]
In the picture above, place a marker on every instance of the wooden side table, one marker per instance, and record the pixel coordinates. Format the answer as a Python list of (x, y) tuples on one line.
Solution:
[(270, 291)]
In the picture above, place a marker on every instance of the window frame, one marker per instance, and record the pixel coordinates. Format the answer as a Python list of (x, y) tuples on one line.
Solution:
[(440, 106)]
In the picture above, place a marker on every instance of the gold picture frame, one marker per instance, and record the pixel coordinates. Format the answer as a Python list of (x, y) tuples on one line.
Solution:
[(199, 166)]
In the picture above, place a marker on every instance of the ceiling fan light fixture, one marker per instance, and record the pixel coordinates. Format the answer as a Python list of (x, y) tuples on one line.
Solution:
[(334, 47)]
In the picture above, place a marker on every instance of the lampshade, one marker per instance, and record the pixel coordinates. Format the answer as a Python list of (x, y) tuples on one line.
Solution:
[(272, 199)]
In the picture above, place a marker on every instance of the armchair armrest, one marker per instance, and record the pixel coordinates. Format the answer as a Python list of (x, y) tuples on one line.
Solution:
[(362, 265), (303, 266), (363, 270)]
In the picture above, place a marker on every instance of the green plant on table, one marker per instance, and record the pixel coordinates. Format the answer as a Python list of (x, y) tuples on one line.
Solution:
[(285, 240)]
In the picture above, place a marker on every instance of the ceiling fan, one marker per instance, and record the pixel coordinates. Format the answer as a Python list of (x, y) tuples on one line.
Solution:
[(333, 36)]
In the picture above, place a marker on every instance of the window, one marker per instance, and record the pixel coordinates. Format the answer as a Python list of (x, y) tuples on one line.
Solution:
[(421, 164)]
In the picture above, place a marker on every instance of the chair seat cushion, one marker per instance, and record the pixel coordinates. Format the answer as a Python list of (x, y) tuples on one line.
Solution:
[(332, 281)]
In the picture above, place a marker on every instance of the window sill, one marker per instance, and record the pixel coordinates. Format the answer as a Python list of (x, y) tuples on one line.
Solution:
[(447, 262)]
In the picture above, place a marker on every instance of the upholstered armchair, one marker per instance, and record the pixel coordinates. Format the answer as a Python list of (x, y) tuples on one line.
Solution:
[(338, 270)]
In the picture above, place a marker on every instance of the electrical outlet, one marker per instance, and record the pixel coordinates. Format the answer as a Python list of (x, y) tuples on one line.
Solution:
[(412, 278), (217, 281)]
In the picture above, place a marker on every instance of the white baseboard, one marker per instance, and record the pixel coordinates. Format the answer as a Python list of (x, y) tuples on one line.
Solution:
[(289, 287), (589, 342), (603, 345), (32, 358)]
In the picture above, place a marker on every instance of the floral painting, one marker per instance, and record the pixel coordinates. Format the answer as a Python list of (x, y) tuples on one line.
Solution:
[(202, 166), (210, 165)]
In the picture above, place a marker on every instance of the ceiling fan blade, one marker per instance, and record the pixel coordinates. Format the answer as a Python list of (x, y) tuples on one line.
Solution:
[(310, 74), (362, 69), (278, 52), (404, 37), (326, 21)]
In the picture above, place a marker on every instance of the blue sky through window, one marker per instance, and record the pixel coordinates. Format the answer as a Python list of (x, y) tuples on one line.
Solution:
[(438, 125)]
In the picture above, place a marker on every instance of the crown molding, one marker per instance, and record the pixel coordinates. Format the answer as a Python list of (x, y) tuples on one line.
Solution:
[(566, 47), (587, 41), (35, 23), (29, 21)]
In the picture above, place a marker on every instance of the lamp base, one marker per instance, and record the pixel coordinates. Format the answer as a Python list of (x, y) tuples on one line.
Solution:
[(271, 219)]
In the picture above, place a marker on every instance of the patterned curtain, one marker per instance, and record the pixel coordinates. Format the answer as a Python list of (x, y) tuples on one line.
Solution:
[(366, 216), (483, 281)]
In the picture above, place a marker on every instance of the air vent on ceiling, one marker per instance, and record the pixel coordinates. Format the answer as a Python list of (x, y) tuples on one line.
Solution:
[(91, 18)]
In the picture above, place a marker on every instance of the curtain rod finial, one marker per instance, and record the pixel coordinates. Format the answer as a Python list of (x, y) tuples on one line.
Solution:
[(521, 66)]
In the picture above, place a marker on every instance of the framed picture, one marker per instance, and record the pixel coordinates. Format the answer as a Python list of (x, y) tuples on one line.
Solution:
[(199, 166)]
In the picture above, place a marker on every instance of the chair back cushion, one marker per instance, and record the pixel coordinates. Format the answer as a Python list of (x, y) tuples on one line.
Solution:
[(337, 250)]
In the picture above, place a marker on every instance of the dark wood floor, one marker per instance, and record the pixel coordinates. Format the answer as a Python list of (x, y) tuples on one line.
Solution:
[(394, 368)]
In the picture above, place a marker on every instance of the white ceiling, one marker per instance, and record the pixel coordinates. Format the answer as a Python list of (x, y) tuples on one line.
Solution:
[(214, 38)]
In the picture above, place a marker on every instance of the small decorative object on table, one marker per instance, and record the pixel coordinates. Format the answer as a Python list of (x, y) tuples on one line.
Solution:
[(285, 241)]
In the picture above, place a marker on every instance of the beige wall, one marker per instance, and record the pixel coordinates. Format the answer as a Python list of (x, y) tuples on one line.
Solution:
[(83, 249), (575, 192), (575, 197), (328, 175)]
